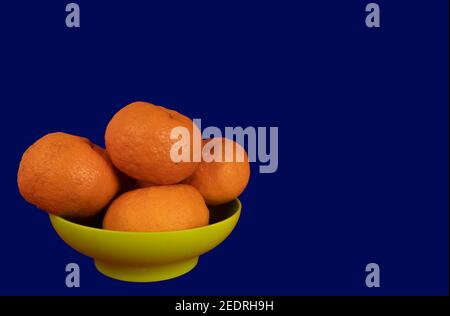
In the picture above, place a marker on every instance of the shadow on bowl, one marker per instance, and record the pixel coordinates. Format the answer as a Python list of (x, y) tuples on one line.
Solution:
[(147, 256)]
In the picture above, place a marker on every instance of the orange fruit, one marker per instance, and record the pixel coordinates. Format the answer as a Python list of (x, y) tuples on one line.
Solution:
[(221, 181), (157, 208), (67, 175), (138, 141)]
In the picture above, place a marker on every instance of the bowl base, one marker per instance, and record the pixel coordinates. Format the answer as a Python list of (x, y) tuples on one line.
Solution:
[(148, 273)]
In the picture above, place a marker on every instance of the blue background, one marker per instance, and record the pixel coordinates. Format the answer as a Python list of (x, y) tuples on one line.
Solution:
[(362, 116)]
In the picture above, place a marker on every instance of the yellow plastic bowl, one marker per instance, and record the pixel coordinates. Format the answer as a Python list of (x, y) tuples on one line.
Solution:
[(148, 256)]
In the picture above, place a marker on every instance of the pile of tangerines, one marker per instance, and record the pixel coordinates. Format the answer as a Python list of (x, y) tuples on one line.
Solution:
[(134, 179)]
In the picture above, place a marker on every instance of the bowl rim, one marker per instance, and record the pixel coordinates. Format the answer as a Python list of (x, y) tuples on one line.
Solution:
[(236, 214)]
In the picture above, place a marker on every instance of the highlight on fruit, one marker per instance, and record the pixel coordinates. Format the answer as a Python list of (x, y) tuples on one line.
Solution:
[(134, 184)]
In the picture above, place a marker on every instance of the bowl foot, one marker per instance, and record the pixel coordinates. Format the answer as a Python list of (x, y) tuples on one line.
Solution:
[(147, 273)]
